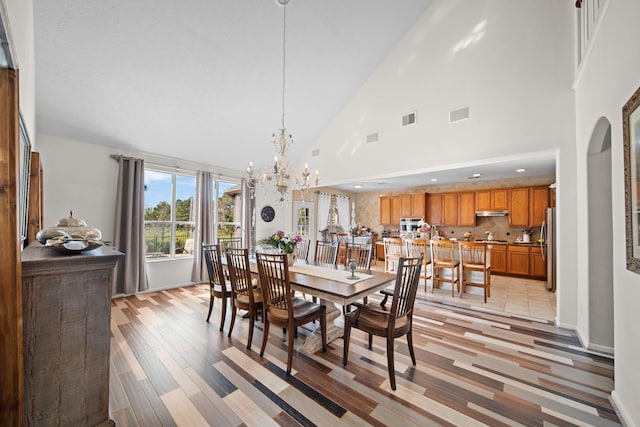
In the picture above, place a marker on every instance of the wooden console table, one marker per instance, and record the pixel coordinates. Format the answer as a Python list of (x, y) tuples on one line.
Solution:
[(66, 314)]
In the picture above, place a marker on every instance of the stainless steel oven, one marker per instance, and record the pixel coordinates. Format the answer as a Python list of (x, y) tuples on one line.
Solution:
[(409, 225)]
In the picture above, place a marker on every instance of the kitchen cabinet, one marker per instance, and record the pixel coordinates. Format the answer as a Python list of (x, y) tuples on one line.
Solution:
[(418, 205), (385, 210), (467, 209), (538, 205), (450, 209), (434, 209), (396, 210), (498, 258), (537, 264), (491, 199), (518, 202), (405, 206), (518, 260)]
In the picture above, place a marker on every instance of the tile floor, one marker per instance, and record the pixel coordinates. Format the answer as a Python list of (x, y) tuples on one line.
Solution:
[(522, 297)]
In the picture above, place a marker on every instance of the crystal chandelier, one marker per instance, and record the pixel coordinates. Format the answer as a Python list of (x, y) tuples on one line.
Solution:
[(279, 177)]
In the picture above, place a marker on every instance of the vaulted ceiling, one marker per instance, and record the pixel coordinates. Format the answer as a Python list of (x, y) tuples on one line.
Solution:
[(201, 80)]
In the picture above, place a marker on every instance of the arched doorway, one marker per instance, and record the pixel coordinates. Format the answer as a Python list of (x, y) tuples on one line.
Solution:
[(600, 238)]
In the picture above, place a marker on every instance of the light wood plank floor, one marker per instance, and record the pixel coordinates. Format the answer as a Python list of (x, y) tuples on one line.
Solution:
[(171, 368)]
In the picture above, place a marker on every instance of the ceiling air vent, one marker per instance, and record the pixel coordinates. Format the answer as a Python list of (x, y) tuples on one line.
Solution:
[(315, 153), (458, 115), (373, 137), (409, 119)]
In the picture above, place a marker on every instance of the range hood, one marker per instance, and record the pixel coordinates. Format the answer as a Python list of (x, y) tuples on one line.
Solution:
[(493, 212)]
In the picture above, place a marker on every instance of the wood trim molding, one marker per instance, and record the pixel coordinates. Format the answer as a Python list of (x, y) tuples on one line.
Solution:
[(11, 351), (35, 210)]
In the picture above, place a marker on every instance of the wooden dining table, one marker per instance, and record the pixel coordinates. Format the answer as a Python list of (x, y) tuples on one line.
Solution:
[(331, 285)]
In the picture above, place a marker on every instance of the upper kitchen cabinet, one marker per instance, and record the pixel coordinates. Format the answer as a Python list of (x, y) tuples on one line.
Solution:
[(538, 204), (418, 203), (491, 199), (449, 208), (518, 199), (434, 209), (467, 209), (385, 210), (396, 210), (405, 206)]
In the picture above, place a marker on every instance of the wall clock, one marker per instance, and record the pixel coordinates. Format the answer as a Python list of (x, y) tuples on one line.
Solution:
[(267, 213)]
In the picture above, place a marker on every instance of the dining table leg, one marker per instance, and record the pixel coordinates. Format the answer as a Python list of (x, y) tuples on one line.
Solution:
[(313, 342)]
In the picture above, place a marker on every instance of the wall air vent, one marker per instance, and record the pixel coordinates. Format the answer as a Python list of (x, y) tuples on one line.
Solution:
[(409, 119), (458, 115), (315, 153), (373, 137)]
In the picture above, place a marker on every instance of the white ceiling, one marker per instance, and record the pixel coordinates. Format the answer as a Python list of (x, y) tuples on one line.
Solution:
[(201, 80)]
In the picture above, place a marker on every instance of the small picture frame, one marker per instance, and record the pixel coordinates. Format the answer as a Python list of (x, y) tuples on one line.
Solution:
[(631, 136)]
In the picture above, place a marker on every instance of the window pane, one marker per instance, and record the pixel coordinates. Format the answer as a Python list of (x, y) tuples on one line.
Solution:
[(185, 195), (158, 237), (227, 193), (157, 196), (184, 239)]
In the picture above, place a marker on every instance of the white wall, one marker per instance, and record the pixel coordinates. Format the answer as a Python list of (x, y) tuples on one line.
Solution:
[(611, 75), (511, 63), (20, 23)]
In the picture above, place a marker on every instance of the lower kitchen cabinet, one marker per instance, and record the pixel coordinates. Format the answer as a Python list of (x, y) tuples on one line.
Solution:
[(518, 260), (538, 264), (498, 258)]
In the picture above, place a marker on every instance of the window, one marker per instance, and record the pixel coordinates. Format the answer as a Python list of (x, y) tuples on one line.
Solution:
[(169, 213)]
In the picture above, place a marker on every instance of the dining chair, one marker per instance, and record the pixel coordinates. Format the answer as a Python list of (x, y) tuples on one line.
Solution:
[(392, 252), (229, 242), (475, 257), (343, 240), (246, 294), (218, 285), (281, 307), (393, 323), (361, 253), (413, 249), (443, 258), (326, 253), (302, 251)]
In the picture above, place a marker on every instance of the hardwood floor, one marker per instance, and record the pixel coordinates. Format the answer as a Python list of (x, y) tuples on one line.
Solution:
[(171, 368)]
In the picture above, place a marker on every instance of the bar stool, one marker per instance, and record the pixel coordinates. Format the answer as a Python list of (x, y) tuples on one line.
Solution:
[(443, 257)]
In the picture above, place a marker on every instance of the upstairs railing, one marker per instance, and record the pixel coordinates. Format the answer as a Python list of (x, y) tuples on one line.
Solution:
[(588, 16)]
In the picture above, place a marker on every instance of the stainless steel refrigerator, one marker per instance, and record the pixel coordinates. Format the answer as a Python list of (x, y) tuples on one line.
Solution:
[(548, 246)]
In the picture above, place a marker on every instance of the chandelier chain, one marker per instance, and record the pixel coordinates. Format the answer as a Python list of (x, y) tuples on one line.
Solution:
[(284, 56)]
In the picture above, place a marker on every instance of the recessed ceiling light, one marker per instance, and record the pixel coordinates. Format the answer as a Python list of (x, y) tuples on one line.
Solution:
[(476, 175), (521, 170), (434, 179), (358, 186)]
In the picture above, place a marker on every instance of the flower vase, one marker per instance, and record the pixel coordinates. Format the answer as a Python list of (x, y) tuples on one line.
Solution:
[(291, 259)]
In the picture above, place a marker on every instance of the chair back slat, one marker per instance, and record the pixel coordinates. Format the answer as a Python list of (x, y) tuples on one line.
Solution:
[(239, 271), (404, 294), (326, 253), (443, 251), (229, 242), (274, 280), (361, 254), (474, 253), (302, 250), (392, 246), (213, 261)]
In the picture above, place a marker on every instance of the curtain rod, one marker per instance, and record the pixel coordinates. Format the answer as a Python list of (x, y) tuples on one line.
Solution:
[(216, 173)]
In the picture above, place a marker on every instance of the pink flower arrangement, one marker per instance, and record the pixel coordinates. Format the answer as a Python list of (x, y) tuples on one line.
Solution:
[(283, 241)]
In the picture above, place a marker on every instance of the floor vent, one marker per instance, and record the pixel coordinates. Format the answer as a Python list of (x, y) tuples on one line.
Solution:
[(409, 119), (458, 115), (315, 153), (373, 137)]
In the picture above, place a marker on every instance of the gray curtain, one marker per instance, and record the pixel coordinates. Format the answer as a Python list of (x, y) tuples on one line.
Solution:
[(204, 224), (131, 275)]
